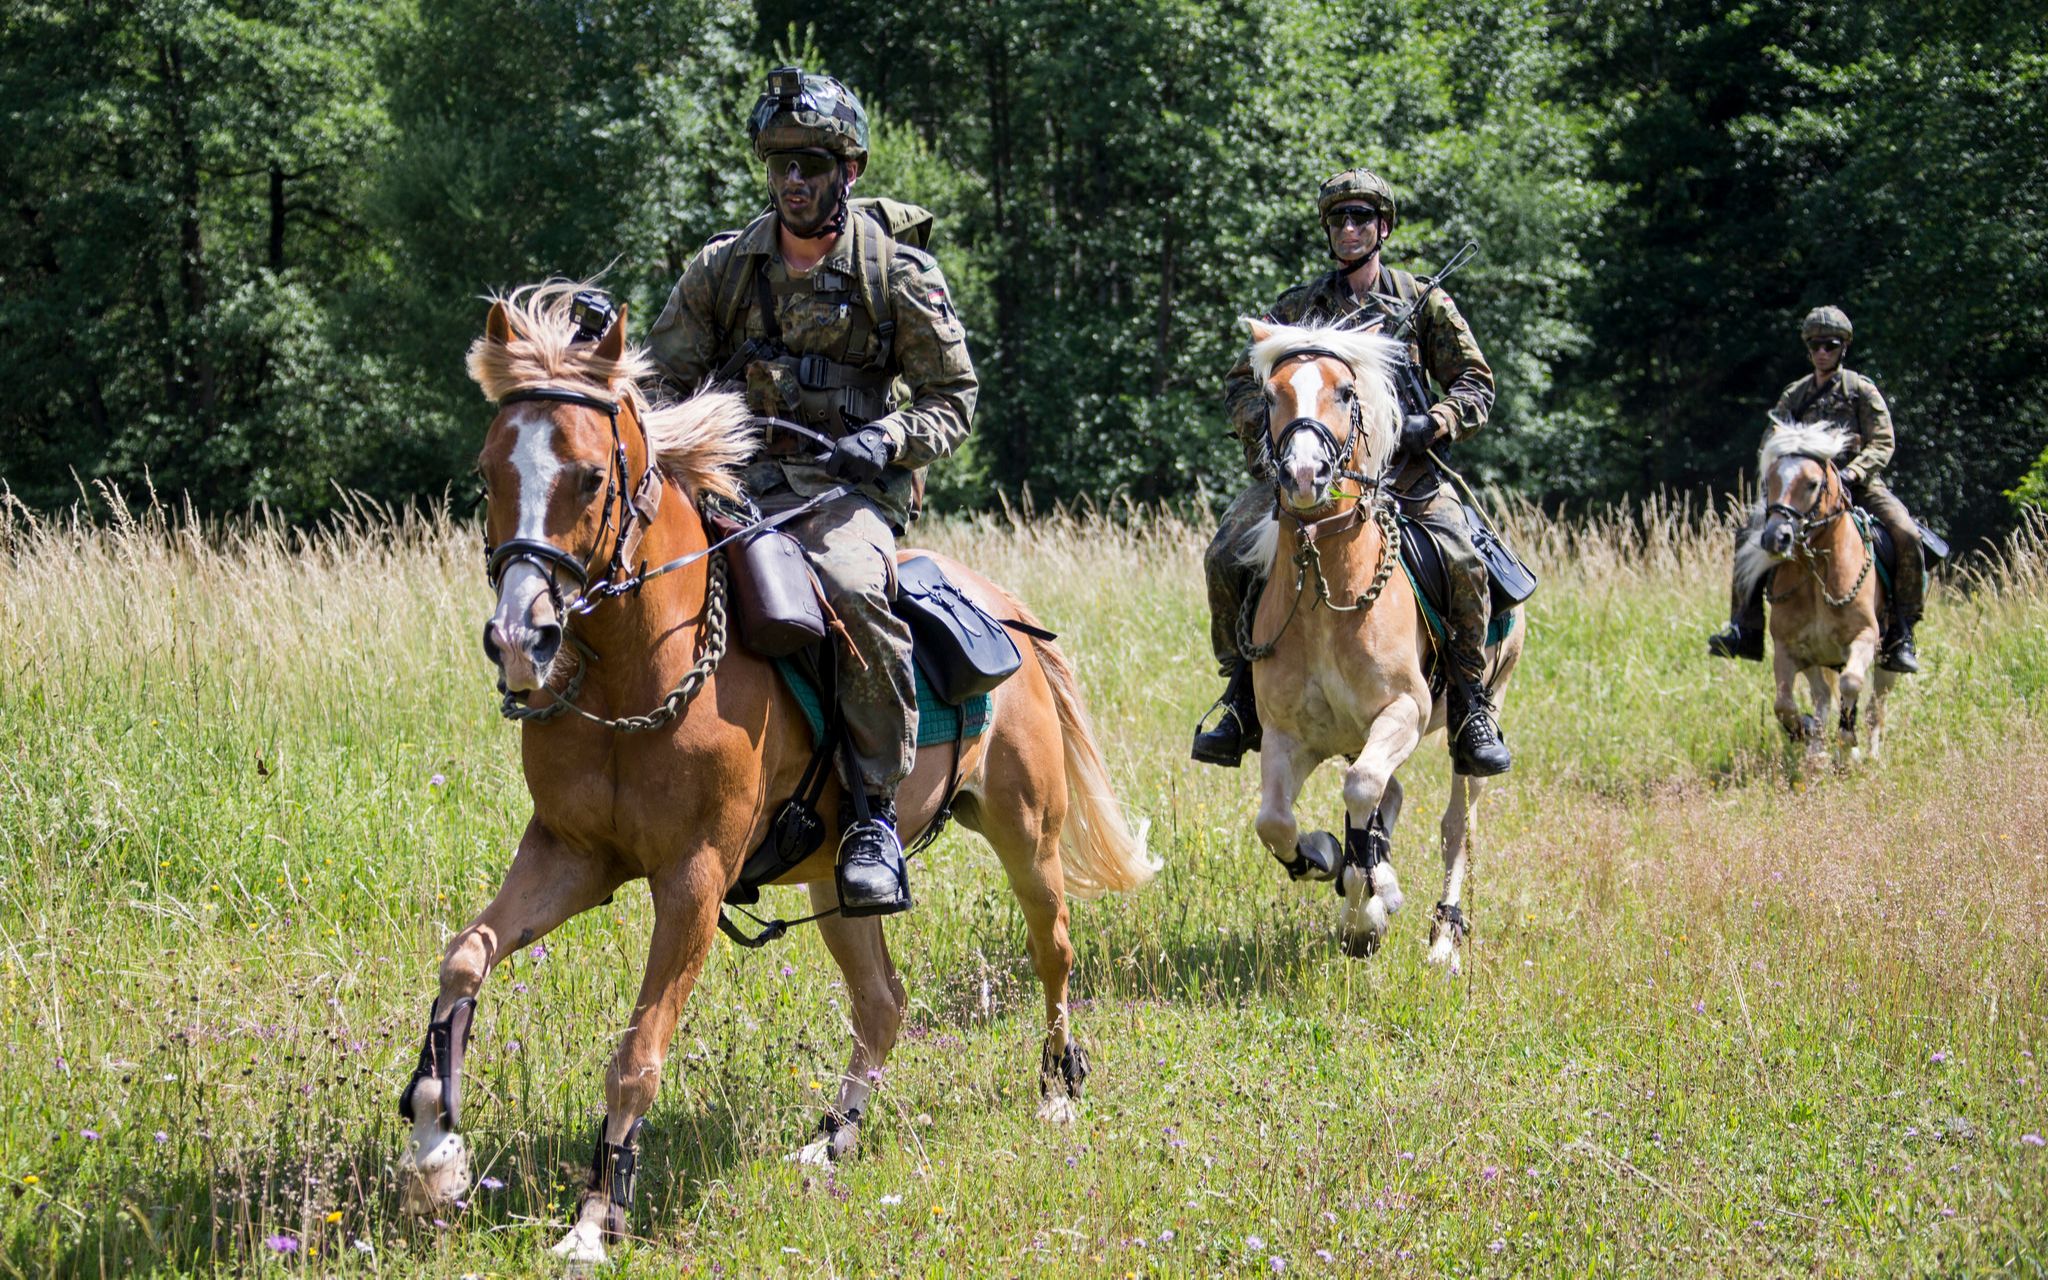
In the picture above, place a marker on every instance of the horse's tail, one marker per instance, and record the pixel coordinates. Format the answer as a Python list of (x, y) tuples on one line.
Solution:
[(1100, 852)]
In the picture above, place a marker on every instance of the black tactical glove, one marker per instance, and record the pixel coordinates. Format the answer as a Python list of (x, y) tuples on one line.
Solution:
[(860, 457), (1418, 432)]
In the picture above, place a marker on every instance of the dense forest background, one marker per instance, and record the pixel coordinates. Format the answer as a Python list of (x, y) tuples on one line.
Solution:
[(246, 240)]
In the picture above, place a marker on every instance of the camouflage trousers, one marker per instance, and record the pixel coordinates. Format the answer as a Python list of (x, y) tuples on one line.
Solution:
[(1232, 582), (853, 547), (1909, 583)]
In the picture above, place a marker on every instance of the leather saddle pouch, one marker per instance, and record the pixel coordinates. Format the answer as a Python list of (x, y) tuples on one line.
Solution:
[(961, 650), (1513, 581), (780, 611)]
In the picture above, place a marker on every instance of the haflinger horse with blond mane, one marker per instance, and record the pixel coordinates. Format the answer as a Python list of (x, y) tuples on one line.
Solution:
[(1826, 598), (586, 475), (1346, 672)]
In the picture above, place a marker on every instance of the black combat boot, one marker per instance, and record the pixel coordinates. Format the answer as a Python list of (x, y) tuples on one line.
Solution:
[(1898, 651), (872, 878), (1476, 747), (1736, 641), (1237, 729)]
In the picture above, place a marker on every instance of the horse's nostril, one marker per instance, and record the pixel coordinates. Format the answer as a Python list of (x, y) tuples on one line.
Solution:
[(492, 650), (546, 640)]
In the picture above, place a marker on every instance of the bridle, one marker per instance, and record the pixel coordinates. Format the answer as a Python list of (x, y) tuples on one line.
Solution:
[(1371, 499), (627, 511), (1805, 525), (1338, 452)]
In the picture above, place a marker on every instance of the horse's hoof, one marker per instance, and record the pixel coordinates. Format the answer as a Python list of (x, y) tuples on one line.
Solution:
[(583, 1246), (1059, 1109), (433, 1173), (1361, 944)]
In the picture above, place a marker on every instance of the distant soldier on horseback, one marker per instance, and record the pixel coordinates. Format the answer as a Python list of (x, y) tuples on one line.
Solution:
[(826, 312), (1835, 396), (1358, 215)]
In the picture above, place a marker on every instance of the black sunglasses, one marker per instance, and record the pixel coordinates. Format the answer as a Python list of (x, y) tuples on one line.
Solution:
[(1825, 344), (1352, 215), (811, 164)]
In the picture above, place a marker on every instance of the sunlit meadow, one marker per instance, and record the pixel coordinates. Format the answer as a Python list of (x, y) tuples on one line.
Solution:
[(1712, 1021)]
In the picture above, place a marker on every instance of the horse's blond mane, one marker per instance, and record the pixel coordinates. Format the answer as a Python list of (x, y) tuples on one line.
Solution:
[(1795, 440), (700, 442)]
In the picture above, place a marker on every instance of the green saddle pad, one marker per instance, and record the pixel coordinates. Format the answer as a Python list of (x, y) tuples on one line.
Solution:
[(1498, 628), (937, 721)]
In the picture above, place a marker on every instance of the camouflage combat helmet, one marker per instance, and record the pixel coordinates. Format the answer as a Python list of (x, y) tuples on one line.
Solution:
[(1357, 184), (798, 110), (1826, 321)]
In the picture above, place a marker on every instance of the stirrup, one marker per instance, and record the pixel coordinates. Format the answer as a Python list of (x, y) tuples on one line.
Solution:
[(877, 854)]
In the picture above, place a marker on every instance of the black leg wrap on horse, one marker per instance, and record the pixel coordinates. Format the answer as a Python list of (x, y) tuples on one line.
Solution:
[(1454, 920), (441, 1059), (612, 1168), (1366, 847), (1070, 1069)]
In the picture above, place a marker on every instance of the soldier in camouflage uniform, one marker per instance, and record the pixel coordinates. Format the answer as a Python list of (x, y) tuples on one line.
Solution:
[(1845, 399), (829, 316), (1358, 214)]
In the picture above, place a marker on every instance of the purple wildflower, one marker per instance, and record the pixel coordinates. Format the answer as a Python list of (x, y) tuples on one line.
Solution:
[(281, 1244), (90, 1135), (788, 970), (1278, 1264), (1166, 1236), (1254, 1243), (539, 952), (161, 1137), (519, 988), (1497, 1246), (1325, 1255), (1939, 1055), (2034, 1140), (438, 780), (490, 1184), (1405, 1155), (1699, 1006), (1489, 1173)]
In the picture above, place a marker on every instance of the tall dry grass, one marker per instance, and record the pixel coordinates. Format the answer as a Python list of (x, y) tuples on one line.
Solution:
[(251, 777)]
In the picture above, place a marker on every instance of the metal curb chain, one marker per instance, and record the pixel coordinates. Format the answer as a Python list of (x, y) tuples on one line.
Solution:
[(678, 698), (1309, 560)]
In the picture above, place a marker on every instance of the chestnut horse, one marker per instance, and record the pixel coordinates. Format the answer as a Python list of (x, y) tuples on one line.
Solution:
[(1824, 592), (1345, 673), (582, 470)]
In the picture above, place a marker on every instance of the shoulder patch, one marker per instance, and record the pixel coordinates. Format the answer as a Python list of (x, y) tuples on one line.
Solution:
[(919, 258)]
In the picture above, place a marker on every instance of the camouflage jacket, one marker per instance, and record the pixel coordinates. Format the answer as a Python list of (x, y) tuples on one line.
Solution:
[(1440, 343), (1853, 403), (925, 385)]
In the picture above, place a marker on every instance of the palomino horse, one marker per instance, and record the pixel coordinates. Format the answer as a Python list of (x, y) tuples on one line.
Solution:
[(583, 471), (1824, 593), (1346, 679)]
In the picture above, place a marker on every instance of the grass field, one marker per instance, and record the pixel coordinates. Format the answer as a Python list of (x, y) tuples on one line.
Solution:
[(1711, 1022)]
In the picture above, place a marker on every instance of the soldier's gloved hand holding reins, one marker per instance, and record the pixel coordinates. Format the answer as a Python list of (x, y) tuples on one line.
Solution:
[(861, 457), (1418, 432)]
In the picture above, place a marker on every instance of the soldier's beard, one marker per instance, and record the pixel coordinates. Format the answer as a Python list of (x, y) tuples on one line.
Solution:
[(828, 215)]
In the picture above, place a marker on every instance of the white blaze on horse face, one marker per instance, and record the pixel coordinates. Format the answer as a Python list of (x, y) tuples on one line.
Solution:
[(1304, 458), (524, 602)]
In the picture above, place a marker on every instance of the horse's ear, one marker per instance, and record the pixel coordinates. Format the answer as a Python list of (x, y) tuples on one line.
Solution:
[(1260, 329), (1780, 419), (498, 328), (612, 346)]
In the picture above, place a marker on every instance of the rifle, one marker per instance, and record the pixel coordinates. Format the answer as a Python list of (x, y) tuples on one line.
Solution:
[(1400, 324)]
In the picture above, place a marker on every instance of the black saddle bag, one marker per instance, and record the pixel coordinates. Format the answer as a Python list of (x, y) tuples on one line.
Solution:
[(1513, 581), (961, 650)]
